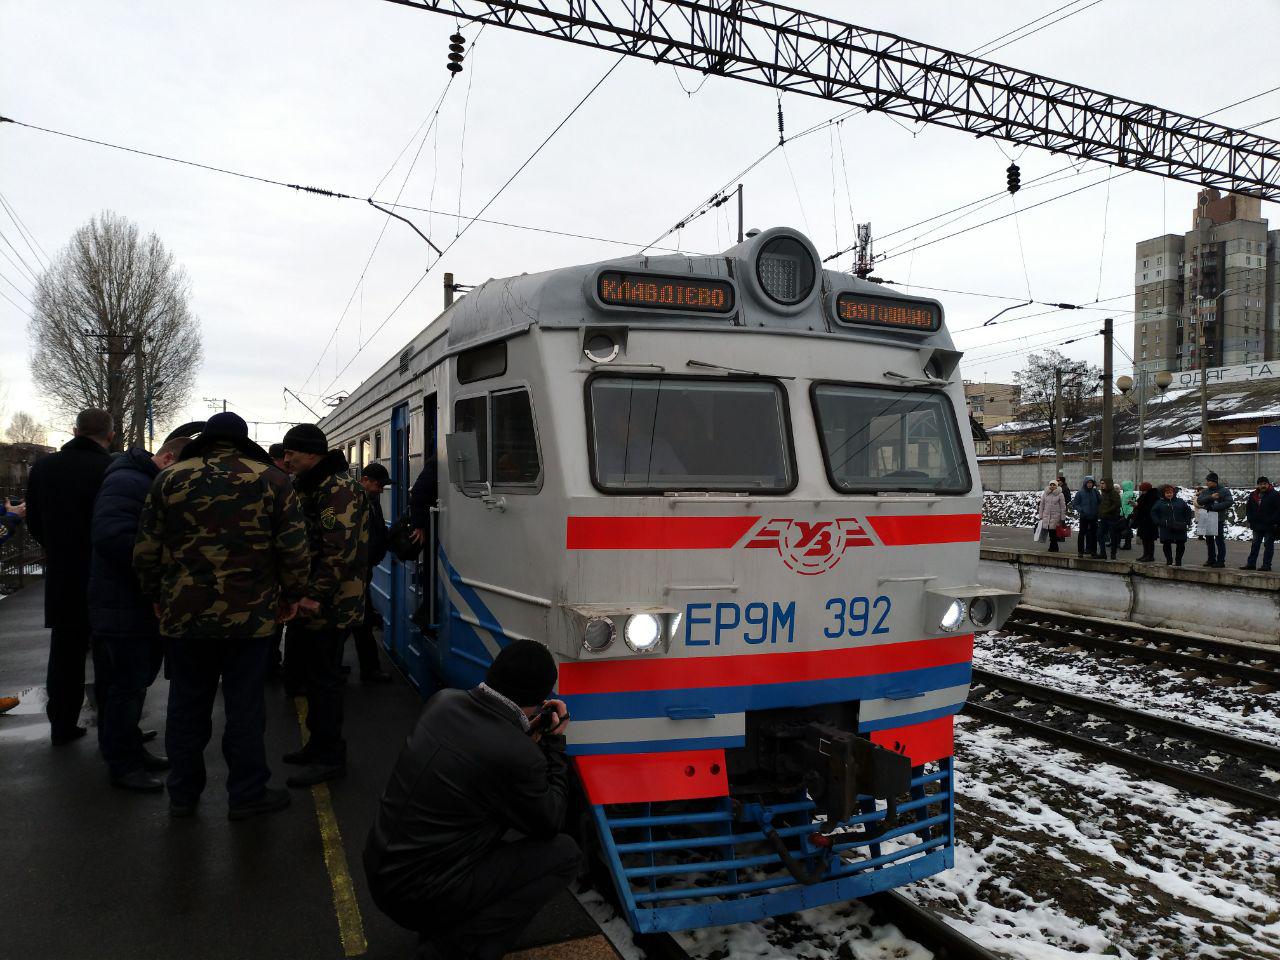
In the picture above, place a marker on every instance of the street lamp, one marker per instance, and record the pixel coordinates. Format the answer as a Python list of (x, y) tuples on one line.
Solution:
[(1204, 380), (1162, 381)]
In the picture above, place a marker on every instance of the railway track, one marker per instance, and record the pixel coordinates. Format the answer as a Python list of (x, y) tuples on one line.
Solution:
[(920, 924), (1180, 754), (1200, 655)]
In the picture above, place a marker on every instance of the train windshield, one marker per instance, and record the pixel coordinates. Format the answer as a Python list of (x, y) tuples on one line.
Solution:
[(668, 433), (876, 439)]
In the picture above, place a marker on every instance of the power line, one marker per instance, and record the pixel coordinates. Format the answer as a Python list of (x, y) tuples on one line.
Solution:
[(20, 265), (1045, 26), (396, 309), (977, 51), (16, 306), (17, 288), (25, 232)]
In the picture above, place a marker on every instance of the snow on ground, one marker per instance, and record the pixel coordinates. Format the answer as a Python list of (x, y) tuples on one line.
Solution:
[(1139, 686), (1020, 508), (1061, 856)]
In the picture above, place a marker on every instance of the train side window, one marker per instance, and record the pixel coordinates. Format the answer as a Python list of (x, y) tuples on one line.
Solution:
[(366, 448), (515, 441), (471, 416), (377, 445), (482, 363)]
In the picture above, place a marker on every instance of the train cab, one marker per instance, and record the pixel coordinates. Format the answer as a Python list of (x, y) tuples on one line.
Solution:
[(737, 497)]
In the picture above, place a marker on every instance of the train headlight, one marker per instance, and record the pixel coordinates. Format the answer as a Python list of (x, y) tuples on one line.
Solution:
[(601, 348), (598, 634), (785, 270), (954, 616), (981, 611), (643, 632)]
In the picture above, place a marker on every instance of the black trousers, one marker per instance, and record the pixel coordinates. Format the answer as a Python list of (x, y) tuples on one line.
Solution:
[(123, 669), (483, 915), (320, 652), (1172, 556), (195, 665), (292, 667), (365, 642), (1148, 546), (1087, 538), (64, 680)]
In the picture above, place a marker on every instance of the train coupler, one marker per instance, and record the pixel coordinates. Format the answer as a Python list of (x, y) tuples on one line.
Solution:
[(842, 765)]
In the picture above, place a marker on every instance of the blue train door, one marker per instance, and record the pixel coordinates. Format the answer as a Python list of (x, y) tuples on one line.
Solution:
[(430, 599), (394, 635)]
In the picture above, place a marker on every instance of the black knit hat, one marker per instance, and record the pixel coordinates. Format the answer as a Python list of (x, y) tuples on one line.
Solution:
[(1211, 476), (226, 425), (523, 672), (306, 438), (276, 451)]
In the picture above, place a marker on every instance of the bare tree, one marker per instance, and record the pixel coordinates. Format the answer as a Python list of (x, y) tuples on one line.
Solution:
[(1036, 379), (23, 428), (110, 297)]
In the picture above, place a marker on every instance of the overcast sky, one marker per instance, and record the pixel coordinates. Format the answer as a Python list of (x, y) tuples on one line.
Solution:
[(329, 93)]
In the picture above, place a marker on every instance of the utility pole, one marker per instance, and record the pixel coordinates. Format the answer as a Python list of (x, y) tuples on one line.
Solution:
[(1057, 419), (214, 401), (1204, 367), (448, 290), (865, 253), (740, 227), (140, 395), (1106, 396)]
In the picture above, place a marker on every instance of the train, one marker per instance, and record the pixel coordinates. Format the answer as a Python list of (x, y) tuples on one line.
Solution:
[(736, 495)]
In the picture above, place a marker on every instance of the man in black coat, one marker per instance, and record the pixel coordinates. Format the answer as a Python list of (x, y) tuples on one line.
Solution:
[(374, 478), (60, 494), (127, 649), (471, 770), (1262, 511)]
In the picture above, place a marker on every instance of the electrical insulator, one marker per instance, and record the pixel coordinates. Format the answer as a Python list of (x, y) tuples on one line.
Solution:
[(1014, 176), (456, 43)]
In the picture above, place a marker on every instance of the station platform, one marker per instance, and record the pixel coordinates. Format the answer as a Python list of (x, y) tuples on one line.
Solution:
[(91, 871), (1229, 603)]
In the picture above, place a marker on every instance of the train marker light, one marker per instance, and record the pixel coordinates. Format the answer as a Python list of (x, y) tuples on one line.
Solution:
[(981, 611), (599, 634), (954, 616), (601, 348), (642, 632)]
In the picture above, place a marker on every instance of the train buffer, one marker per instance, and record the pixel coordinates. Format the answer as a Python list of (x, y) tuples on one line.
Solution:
[(89, 871)]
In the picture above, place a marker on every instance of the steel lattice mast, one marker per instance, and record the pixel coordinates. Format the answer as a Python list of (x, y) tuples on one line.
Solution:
[(788, 49)]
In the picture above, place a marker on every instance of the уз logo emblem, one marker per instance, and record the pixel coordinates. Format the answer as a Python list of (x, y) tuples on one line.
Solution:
[(810, 547)]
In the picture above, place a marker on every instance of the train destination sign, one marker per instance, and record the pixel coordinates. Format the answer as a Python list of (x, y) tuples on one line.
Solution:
[(686, 294), (887, 312)]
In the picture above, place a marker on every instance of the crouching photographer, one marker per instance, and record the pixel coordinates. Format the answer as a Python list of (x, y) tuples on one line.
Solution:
[(479, 764)]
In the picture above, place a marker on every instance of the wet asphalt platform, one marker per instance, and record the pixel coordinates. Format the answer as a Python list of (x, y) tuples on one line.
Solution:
[(88, 871)]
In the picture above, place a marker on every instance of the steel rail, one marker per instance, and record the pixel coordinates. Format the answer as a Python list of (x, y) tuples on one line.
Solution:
[(1025, 621), (1181, 777), (926, 927)]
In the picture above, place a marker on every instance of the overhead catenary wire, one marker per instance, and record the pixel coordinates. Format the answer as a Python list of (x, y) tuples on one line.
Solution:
[(29, 238), (18, 264), (989, 51)]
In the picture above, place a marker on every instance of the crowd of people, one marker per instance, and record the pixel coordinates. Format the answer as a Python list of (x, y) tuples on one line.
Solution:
[(223, 563), (1109, 517)]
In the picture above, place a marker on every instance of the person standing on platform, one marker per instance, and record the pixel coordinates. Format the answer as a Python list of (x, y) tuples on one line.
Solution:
[(1064, 488), (1146, 527), (374, 478), (60, 493), (1086, 503), (1128, 500), (1215, 499), (127, 650), (337, 515), (1053, 511), (1109, 519), (1262, 511), (1172, 516), (222, 550), (476, 766), (280, 665)]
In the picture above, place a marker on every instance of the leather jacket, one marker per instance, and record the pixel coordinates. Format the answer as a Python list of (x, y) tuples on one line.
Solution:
[(467, 774)]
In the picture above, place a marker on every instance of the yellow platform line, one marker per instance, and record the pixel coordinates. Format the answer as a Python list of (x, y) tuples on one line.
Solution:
[(345, 905)]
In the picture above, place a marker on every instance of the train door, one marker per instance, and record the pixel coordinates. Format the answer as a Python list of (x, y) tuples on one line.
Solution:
[(394, 635), (429, 617)]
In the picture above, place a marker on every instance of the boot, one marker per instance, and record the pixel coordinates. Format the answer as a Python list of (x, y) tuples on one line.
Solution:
[(273, 799), (138, 781)]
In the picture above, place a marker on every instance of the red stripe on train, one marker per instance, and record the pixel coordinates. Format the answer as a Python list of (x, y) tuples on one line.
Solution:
[(917, 529), (682, 673), (656, 533), (640, 777), (922, 742)]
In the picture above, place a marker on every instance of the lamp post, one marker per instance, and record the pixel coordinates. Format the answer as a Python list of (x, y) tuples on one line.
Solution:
[(1162, 381), (1204, 380)]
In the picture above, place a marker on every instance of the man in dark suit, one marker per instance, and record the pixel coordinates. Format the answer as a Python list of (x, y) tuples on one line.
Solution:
[(60, 494)]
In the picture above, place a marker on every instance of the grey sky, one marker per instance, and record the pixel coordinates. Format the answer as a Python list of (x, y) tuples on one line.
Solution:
[(328, 93)]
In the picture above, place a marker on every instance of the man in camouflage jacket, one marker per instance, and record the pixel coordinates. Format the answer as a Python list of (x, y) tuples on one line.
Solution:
[(222, 552), (337, 516)]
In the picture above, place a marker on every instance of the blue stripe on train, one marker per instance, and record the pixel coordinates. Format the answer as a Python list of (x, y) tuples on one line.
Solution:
[(656, 746), (907, 719), (764, 696)]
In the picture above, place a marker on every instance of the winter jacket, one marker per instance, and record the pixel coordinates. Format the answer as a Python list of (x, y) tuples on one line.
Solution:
[(222, 543), (336, 509), (1173, 519), (1142, 514), (1128, 499), (467, 774), (1109, 504), (1216, 498), (1262, 511), (1053, 508), (60, 494), (1086, 502), (116, 604)]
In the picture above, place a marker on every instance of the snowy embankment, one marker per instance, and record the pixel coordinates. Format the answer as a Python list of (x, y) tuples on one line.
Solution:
[(1021, 509)]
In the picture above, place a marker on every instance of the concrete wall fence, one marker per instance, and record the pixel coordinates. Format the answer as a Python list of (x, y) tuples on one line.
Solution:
[(1237, 470)]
